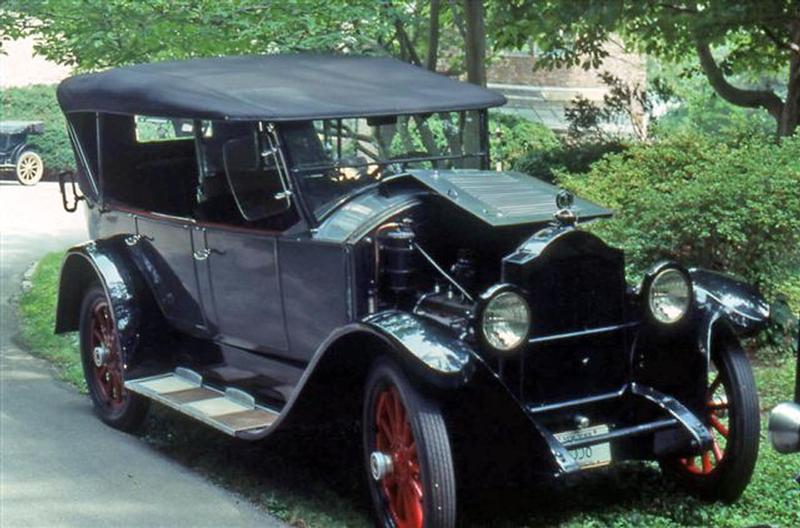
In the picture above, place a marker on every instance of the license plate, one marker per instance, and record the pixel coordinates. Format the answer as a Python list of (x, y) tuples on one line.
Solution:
[(590, 456)]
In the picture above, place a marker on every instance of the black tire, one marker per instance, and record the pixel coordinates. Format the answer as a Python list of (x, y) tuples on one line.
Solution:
[(727, 479), (114, 405), (435, 476)]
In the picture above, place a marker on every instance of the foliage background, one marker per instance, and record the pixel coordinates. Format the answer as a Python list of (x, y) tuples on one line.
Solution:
[(38, 103)]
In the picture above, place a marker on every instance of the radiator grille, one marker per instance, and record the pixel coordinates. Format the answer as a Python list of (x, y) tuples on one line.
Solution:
[(571, 292)]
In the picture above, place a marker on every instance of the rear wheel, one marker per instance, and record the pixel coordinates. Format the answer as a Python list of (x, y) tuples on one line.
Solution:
[(407, 454), (723, 472), (30, 168), (104, 365)]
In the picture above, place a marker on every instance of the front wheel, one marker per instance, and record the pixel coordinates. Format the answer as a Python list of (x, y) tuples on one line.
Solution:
[(407, 453), (30, 168), (104, 365), (723, 472)]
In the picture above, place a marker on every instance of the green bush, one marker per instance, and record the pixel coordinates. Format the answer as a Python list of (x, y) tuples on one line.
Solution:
[(575, 159), (38, 103), (513, 138), (731, 207)]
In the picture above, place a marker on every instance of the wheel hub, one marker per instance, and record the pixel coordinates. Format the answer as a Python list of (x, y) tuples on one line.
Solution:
[(100, 356), (380, 465)]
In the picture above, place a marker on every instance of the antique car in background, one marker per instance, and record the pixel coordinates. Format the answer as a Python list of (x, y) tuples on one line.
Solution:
[(17, 154), (784, 420), (329, 244)]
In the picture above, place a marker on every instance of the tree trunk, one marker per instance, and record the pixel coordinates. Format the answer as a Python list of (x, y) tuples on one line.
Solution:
[(790, 117), (433, 36), (747, 98), (475, 42)]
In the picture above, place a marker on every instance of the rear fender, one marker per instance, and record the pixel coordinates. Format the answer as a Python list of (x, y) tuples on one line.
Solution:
[(103, 262), (19, 149)]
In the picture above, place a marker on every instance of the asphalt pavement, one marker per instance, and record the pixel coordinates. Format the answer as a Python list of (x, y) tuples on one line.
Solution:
[(59, 465)]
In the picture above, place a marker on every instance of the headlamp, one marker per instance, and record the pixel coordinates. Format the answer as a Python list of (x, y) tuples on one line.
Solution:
[(505, 321)]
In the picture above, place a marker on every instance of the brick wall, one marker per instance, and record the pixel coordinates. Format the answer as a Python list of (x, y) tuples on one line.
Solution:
[(517, 68)]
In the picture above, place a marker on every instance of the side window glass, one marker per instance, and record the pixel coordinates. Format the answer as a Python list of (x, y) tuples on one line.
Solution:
[(153, 129), (254, 178)]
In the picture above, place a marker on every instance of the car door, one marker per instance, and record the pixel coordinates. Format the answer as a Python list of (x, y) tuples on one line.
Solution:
[(245, 308), (165, 254)]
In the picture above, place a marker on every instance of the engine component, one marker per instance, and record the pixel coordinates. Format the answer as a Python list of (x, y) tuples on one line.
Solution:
[(450, 310), (463, 270), (398, 258)]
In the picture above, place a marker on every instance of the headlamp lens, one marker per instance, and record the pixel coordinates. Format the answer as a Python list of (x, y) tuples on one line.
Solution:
[(506, 321), (669, 297)]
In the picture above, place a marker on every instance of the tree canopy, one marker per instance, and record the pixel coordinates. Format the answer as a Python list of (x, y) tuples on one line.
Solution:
[(748, 37)]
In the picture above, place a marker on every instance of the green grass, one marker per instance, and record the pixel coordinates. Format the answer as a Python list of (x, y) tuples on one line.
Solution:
[(312, 478), (37, 321)]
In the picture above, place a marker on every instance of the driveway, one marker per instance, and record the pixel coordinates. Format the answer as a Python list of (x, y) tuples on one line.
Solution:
[(59, 466)]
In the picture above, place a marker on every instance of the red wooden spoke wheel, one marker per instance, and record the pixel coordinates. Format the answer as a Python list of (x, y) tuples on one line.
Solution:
[(407, 453), (724, 470), (108, 367), (402, 486), (104, 365), (718, 416)]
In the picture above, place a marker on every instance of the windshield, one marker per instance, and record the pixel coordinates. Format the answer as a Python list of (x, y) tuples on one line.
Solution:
[(337, 158)]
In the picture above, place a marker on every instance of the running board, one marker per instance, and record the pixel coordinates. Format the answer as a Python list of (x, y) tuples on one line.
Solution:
[(233, 411)]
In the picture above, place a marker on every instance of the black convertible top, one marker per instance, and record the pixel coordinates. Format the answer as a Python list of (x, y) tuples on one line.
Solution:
[(271, 87)]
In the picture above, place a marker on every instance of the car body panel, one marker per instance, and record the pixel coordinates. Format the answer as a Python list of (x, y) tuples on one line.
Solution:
[(738, 302), (104, 262), (245, 306), (503, 198), (164, 254)]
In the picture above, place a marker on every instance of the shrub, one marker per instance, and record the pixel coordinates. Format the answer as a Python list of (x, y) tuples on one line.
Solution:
[(38, 103), (513, 137), (575, 159), (731, 207)]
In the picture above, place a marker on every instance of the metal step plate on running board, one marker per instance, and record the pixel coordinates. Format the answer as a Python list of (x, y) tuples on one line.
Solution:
[(232, 411)]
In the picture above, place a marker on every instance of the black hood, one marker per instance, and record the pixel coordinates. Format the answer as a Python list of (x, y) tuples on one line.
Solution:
[(503, 198)]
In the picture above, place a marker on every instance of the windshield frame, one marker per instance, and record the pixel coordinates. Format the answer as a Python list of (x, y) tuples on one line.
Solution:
[(317, 215)]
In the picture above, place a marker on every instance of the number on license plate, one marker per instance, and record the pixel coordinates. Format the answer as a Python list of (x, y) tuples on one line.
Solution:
[(590, 456)]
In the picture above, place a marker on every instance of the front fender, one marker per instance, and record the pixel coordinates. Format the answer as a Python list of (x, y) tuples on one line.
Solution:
[(332, 383), (104, 262), (718, 296), (426, 341)]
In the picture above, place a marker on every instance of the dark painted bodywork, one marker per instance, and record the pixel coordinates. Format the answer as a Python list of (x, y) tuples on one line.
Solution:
[(281, 314)]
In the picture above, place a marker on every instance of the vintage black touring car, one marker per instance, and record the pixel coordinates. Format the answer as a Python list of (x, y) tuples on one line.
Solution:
[(320, 238), (18, 154)]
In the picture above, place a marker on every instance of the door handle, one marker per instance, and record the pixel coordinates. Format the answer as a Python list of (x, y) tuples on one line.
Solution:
[(132, 240), (201, 254)]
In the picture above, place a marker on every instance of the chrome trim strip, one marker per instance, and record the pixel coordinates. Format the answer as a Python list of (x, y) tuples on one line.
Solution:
[(581, 333)]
